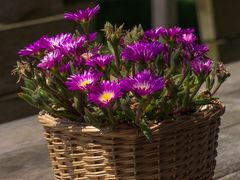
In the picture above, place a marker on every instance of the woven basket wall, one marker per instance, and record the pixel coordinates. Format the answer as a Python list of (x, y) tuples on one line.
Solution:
[(182, 149)]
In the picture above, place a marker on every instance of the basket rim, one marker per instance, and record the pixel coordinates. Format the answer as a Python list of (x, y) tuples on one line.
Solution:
[(203, 115)]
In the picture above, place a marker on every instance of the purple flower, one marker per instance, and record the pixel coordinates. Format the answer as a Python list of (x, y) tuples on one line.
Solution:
[(170, 33), (83, 81), (146, 51), (65, 68), (105, 93), (72, 46), (100, 60), (153, 34), (193, 51), (187, 36), (83, 15), (91, 37), (59, 40), (202, 66), (50, 59), (200, 50), (35, 48), (144, 83)]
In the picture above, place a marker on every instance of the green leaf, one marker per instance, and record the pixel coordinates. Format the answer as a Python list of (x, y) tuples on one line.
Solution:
[(27, 91), (125, 106), (177, 77), (115, 72), (175, 58), (186, 91), (208, 83), (199, 102), (91, 119), (77, 104), (29, 84), (159, 63), (141, 66), (73, 70), (146, 130), (41, 81), (110, 47), (30, 100), (130, 114)]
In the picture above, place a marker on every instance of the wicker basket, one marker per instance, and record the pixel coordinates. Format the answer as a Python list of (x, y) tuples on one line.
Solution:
[(182, 149)]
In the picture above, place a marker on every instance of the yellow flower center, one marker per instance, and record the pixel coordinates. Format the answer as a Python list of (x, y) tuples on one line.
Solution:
[(106, 96), (85, 83), (87, 56)]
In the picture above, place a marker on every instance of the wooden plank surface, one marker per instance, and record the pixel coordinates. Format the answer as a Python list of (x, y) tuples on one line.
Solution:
[(229, 93), (228, 159), (23, 152)]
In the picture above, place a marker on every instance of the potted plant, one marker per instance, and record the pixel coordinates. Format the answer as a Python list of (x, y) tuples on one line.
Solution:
[(130, 108)]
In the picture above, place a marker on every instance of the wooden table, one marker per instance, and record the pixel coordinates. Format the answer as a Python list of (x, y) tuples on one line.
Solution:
[(24, 156)]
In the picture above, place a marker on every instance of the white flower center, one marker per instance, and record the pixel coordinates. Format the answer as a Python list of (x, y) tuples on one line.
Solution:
[(142, 86)]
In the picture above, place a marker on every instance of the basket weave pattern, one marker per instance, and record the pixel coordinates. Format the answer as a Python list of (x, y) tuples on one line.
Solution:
[(182, 149)]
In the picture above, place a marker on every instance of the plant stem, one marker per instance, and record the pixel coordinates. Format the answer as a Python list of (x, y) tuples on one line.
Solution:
[(216, 88), (184, 72), (140, 109), (133, 69), (116, 54), (110, 116), (85, 27), (169, 72), (139, 113), (196, 90), (186, 91)]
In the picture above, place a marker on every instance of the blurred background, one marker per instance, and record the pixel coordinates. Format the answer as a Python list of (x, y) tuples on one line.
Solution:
[(23, 21)]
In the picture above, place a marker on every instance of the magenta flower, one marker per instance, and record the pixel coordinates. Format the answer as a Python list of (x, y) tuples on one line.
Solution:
[(65, 68), (202, 66), (170, 33), (105, 93), (153, 34), (199, 50), (50, 60), (91, 37), (83, 15), (83, 81), (187, 37), (72, 46), (193, 51), (100, 60), (35, 48), (146, 51), (59, 40), (145, 83)]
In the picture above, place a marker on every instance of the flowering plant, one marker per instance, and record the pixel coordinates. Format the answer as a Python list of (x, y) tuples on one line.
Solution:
[(136, 78)]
